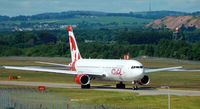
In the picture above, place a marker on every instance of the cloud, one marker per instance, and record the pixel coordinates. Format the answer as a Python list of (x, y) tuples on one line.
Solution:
[(25, 3), (193, 1)]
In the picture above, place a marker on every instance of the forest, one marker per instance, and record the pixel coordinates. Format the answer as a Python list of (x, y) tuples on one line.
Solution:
[(102, 43)]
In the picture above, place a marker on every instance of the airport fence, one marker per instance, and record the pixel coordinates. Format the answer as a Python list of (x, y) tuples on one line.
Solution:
[(31, 98)]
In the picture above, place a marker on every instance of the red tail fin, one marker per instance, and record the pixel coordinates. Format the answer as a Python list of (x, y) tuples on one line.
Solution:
[(75, 54)]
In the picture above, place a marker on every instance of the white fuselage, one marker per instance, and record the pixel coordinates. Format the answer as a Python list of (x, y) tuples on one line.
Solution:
[(117, 70)]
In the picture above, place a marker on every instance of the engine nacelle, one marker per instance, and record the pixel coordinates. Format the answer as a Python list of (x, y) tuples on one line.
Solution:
[(82, 79), (144, 81)]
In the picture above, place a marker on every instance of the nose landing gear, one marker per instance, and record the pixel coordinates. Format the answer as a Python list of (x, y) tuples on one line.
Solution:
[(135, 86)]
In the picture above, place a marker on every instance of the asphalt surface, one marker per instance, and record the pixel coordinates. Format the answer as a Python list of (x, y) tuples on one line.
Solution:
[(141, 91)]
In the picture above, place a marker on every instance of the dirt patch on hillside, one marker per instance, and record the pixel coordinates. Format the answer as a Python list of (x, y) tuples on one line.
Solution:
[(172, 22)]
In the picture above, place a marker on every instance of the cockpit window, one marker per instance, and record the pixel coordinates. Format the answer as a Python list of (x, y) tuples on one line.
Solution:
[(133, 67)]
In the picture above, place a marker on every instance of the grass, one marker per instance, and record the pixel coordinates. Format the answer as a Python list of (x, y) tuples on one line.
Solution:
[(176, 79), (106, 20), (31, 60), (102, 20), (121, 99), (129, 99), (96, 22), (165, 63)]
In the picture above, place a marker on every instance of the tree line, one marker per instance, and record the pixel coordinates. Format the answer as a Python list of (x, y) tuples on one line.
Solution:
[(102, 43)]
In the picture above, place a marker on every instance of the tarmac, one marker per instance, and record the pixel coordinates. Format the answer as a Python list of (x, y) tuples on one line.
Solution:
[(141, 91)]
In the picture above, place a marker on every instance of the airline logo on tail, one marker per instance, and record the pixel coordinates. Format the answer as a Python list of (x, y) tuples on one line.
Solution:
[(75, 54)]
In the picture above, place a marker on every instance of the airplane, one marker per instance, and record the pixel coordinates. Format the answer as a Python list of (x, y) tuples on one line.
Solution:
[(86, 70)]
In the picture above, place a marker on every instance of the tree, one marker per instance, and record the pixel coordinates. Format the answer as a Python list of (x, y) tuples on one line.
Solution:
[(46, 37), (196, 51)]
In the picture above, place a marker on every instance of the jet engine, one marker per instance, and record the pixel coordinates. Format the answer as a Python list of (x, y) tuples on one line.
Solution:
[(144, 81), (82, 79)]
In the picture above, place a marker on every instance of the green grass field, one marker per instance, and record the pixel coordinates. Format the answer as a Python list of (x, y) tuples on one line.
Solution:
[(120, 99), (102, 20), (177, 80), (129, 99), (122, 21)]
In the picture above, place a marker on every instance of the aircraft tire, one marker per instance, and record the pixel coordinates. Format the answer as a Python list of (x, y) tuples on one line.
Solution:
[(120, 86), (135, 88), (85, 86)]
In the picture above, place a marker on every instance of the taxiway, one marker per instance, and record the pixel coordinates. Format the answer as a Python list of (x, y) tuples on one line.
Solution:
[(141, 91)]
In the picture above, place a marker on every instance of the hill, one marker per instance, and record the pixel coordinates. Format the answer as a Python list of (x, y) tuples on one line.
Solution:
[(171, 22), (83, 19), (82, 22), (72, 14), (161, 14)]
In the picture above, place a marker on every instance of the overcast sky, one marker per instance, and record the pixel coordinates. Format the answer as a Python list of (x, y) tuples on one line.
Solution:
[(30, 7)]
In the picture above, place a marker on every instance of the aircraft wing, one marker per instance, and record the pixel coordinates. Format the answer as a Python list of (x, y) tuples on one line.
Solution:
[(53, 70), (161, 69), (64, 65)]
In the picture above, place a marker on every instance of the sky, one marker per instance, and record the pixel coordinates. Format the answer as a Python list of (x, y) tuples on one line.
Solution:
[(31, 7)]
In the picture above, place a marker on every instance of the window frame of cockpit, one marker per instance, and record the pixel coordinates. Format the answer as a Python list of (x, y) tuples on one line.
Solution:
[(137, 67)]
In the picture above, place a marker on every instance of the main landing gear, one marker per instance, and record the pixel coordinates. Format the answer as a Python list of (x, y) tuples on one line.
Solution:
[(135, 87), (120, 85), (85, 86)]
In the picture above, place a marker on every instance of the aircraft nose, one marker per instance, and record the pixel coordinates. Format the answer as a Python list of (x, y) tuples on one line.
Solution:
[(141, 71), (137, 74)]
